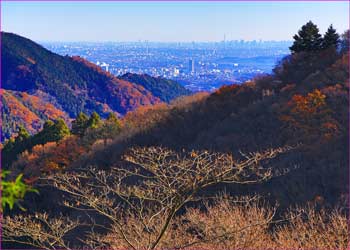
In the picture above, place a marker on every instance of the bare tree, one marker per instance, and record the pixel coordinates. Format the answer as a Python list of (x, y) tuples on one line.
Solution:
[(38, 230), (141, 199)]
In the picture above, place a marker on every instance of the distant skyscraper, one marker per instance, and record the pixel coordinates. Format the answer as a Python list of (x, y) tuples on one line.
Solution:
[(147, 48), (224, 41), (191, 66)]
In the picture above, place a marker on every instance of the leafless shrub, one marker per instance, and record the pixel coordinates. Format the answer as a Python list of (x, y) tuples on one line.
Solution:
[(226, 224), (38, 230), (313, 229)]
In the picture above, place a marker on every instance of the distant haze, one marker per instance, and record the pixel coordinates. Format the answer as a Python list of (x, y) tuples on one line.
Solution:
[(168, 21)]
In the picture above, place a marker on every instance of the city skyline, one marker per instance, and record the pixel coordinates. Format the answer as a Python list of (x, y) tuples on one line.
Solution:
[(168, 21)]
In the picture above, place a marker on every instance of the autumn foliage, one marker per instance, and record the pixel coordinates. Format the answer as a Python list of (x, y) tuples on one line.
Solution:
[(29, 111), (310, 115), (48, 110), (19, 112), (51, 156)]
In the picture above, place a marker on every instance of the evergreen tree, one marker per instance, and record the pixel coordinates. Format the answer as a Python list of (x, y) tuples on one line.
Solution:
[(52, 131), (80, 124), (23, 134), (47, 125), (8, 146), (308, 39), (15, 146), (94, 121), (98, 129), (331, 38), (112, 119), (59, 130), (111, 127), (44, 135)]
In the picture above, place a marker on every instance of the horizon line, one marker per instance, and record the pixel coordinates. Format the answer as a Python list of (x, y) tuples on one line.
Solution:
[(155, 41), (258, 40)]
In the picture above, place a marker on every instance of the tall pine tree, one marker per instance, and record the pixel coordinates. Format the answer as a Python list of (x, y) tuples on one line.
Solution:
[(80, 124), (308, 39), (52, 131), (331, 38), (59, 130), (94, 121), (110, 128), (15, 146)]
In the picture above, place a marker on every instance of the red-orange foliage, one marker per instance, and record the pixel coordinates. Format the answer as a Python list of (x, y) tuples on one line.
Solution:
[(28, 110), (126, 95), (335, 91), (309, 104), (31, 60), (310, 114), (50, 156), (49, 110), (21, 113), (188, 101), (145, 117)]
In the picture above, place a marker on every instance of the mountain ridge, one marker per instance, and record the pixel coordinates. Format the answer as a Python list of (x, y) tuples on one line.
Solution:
[(72, 84)]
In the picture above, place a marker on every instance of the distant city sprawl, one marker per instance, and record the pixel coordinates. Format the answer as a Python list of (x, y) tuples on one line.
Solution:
[(199, 66)]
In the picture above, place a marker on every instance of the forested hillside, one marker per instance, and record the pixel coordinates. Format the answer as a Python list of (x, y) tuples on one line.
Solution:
[(70, 84), (304, 102), (21, 108), (165, 89)]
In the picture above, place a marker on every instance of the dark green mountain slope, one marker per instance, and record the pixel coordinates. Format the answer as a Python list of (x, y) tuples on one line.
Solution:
[(165, 89)]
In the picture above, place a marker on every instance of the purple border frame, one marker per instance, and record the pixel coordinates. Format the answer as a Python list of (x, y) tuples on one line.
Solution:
[(189, 1), (155, 1)]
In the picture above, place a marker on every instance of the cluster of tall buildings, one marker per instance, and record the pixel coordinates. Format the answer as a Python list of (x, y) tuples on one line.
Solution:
[(198, 66)]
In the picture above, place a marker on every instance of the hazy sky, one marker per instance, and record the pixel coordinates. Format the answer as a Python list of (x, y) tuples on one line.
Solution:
[(168, 21)]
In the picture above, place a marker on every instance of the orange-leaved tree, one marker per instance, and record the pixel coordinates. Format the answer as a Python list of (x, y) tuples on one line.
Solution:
[(309, 116)]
